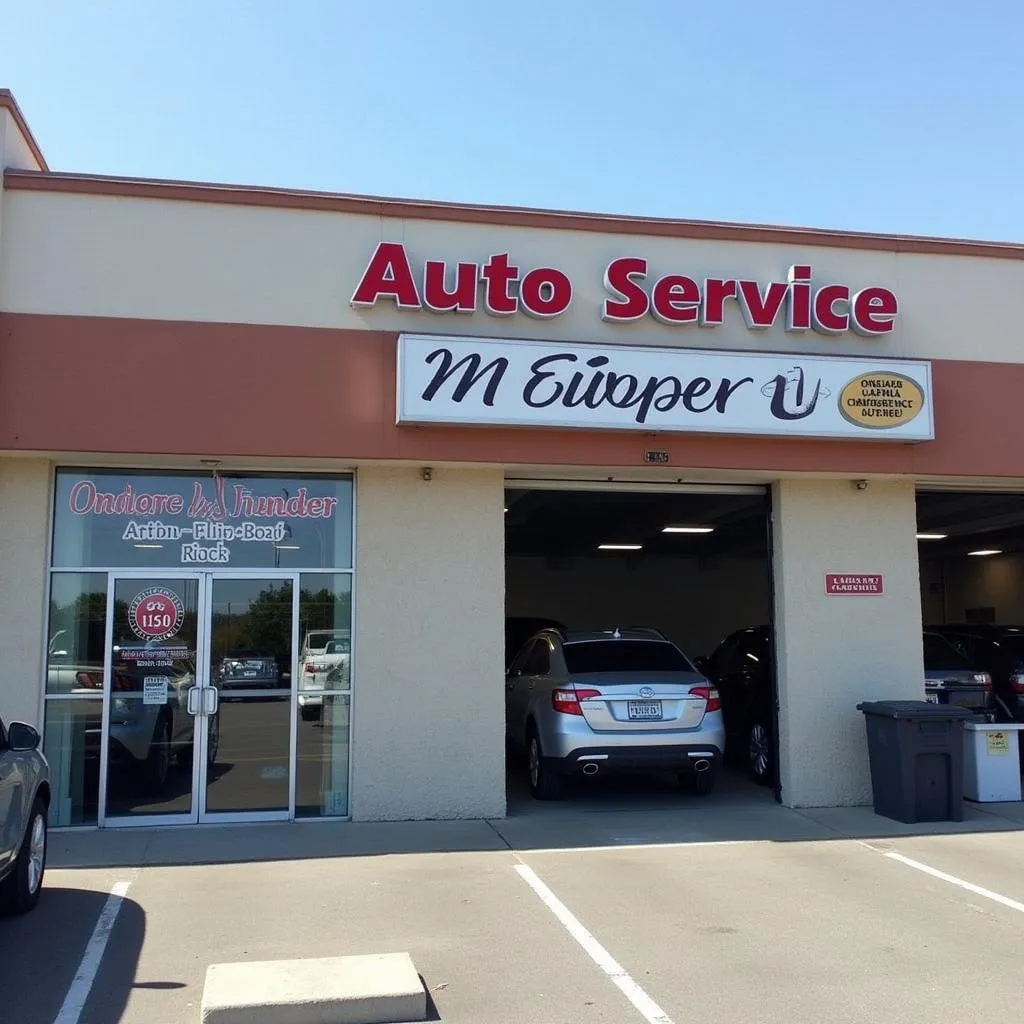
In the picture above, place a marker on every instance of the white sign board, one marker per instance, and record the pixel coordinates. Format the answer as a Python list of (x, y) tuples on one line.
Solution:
[(154, 689), (489, 382)]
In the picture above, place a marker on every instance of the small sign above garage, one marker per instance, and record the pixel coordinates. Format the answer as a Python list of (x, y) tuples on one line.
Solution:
[(490, 382)]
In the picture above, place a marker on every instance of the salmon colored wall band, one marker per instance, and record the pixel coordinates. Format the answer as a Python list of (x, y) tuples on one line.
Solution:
[(143, 387)]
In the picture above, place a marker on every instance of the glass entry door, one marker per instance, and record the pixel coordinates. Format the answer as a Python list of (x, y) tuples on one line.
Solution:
[(247, 773), (198, 709), (154, 707)]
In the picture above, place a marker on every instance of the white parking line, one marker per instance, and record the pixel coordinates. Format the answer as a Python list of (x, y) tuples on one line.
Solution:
[(81, 984), (648, 1008), (953, 880)]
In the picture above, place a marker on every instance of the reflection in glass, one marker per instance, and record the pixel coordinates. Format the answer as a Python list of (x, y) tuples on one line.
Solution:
[(248, 770), (71, 742), (153, 668), (325, 625), (321, 784), (78, 612), (251, 665)]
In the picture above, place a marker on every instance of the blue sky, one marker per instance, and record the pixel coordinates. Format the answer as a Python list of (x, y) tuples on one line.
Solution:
[(898, 116)]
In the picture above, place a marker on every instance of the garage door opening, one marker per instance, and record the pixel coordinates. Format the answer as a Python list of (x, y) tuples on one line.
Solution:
[(617, 573), (971, 550)]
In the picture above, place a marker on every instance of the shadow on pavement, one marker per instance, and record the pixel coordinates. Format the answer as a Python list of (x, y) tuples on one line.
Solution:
[(40, 953), (624, 811)]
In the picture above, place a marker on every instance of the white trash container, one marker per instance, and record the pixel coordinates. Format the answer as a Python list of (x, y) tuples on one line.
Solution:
[(991, 762)]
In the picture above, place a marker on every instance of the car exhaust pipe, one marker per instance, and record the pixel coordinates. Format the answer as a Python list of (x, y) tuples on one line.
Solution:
[(702, 765), (590, 768)]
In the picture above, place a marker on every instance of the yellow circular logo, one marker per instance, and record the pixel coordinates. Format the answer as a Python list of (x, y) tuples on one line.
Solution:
[(881, 400)]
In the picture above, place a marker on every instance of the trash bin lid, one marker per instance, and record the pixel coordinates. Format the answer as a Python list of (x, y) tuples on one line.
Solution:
[(914, 709)]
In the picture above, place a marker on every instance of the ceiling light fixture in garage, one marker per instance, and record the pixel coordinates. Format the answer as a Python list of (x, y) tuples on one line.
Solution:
[(985, 551), (932, 536), (688, 529), (620, 547)]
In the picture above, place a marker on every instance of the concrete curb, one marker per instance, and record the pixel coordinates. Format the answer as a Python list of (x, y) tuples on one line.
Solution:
[(381, 988)]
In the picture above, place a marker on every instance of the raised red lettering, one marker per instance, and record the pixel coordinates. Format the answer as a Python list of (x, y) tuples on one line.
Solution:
[(798, 316), (676, 300), (545, 292), (388, 275), (631, 302), (873, 311), (716, 291), (498, 274), (436, 296), (761, 310), (826, 319)]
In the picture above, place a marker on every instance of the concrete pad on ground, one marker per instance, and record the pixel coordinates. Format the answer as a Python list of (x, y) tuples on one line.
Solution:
[(381, 988), (863, 823), (270, 841)]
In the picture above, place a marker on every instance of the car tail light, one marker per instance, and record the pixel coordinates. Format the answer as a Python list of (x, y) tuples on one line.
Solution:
[(710, 694), (984, 679), (567, 702), (93, 680), (1017, 682)]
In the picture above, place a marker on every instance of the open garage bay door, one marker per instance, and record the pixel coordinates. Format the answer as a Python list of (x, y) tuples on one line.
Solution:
[(692, 562)]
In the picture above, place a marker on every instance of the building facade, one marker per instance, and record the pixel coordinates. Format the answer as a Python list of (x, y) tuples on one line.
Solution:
[(255, 445)]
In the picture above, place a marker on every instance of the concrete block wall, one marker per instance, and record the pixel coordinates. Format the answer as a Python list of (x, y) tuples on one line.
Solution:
[(428, 690), (833, 652), (24, 516)]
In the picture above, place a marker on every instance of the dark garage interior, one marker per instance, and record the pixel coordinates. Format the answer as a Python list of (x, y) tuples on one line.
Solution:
[(694, 565)]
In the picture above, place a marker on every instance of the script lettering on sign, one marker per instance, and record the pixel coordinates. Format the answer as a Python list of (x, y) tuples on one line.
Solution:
[(521, 383)]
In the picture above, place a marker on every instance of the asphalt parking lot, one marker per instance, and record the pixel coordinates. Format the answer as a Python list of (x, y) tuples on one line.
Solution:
[(622, 905)]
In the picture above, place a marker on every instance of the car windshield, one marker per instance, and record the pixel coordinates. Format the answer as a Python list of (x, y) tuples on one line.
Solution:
[(1013, 644), (938, 654), (586, 656), (318, 641)]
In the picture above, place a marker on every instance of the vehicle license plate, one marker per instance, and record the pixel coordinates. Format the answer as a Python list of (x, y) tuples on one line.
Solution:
[(932, 698), (643, 710), (250, 675)]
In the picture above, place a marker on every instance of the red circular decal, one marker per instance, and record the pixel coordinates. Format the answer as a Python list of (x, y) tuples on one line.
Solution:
[(156, 614)]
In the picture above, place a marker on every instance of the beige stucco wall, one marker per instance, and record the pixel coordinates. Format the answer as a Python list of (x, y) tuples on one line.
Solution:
[(89, 255), (24, 514), (833, 652), (428, 706)]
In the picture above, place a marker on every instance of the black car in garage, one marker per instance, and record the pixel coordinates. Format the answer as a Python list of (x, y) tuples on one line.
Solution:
[(999, 651), (742, 668)]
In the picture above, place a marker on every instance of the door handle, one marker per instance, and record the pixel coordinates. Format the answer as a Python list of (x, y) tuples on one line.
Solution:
[(211, 700), (193, 701)]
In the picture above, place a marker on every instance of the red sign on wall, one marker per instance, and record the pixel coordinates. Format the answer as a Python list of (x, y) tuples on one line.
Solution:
[(853, 584)]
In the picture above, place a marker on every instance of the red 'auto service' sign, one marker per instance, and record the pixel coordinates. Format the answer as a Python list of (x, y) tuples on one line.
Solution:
[(853, 584)]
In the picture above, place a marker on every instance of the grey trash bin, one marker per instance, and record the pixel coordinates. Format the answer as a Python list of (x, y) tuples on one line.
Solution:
[(916, 752)]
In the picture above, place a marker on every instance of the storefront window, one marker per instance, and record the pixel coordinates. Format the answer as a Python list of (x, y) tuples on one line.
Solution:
[(71, 740), (75, 646), (321, 785), (325, 679), (106, 518)]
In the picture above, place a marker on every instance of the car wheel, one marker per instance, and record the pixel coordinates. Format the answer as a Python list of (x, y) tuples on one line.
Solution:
[(20, 892), (158, 761), (698, 783), (544, 783), (759, 754)]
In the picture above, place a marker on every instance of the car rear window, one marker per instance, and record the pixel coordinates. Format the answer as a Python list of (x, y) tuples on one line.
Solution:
[(938, 654), (624, 656)]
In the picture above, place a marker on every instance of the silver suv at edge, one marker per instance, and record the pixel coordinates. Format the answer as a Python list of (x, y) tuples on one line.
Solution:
[(584, 703), (24, 802)]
